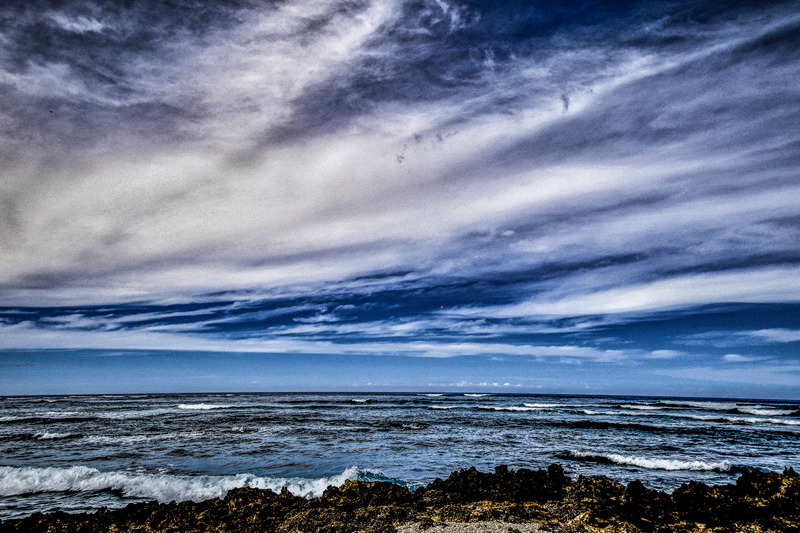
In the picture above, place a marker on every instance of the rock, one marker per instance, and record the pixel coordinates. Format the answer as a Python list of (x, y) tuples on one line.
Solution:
[(468, 500)]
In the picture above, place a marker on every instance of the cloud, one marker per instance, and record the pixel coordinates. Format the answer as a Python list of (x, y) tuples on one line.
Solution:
[(482, 175), (756, 285), (78, 24), (736, 358), (777, 335)]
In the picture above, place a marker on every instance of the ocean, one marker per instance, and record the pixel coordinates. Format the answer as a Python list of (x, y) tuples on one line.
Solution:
[(79, 453)]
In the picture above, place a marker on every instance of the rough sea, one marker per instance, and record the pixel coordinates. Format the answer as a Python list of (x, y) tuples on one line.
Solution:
[(78, 453)]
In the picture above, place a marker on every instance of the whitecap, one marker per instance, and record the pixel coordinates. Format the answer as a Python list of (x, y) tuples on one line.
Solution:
[(47, 435), (543, 405), (203, 406), (476, 395), (657, 463), (765, 411), (638, 407), (507, 408), (780, 421), (444, 407)]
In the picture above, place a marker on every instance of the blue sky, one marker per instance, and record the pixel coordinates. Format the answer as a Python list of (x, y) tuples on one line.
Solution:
[(586, 197)]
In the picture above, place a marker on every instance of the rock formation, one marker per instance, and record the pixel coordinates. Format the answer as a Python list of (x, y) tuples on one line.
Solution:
[(758, 502)]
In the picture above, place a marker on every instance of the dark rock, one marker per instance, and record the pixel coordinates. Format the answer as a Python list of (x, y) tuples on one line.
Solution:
[(764, 502)]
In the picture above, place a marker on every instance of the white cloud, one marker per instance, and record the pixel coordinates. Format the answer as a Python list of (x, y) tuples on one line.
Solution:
[(78, 24), (736, 358), (26, 335), (774, 335), (750, 285), (145, 222)]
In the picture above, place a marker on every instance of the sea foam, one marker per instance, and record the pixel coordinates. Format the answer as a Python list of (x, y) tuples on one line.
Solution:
[(203, 406), (651, 463), (161, 487), (508, 408)]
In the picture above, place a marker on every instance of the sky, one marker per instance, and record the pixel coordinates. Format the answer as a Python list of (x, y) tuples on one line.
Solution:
[(392, 195)]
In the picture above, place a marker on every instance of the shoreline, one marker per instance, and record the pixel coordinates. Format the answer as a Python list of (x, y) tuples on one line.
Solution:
[(467, 501)]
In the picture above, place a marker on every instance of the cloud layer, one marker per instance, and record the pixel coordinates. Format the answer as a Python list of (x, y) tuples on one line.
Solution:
[(430, 178)]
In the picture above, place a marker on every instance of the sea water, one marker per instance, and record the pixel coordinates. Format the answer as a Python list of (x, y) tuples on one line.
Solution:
[(78, 453)]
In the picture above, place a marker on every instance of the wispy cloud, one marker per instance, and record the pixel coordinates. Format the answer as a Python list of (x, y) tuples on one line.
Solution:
[(500, 173)]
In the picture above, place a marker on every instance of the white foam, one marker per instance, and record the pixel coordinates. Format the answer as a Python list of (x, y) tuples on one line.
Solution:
[(431, 395), (60, 414), (747, 420), (781, 421), (637, 407), (359, 400), (203, 406), (133, 414), (765, 411), (542, 405), (444, 407), (508, 408), (9, 418), (127, 439), (161, 487), (47, 435), (476, 395), (659, 464)]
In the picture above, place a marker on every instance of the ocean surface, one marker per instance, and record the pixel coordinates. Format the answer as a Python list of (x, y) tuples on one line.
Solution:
[(78, 453)]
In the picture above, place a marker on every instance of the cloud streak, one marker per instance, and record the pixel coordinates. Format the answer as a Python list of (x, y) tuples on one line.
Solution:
[(494, 173)]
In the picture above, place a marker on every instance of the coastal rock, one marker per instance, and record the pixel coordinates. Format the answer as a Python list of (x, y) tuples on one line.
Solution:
[(468, 500)]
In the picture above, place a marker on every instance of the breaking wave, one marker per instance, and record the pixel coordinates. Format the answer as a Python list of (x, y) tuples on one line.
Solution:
[(644, 462), (508, 408), (203, 406), (161, 487)]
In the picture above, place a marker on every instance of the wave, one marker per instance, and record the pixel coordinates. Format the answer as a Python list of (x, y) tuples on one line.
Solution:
[(707, 405), (650, 464), (744, 420), (444, 407), (431, 395), (543, 405), (764, 411), (162, 487), (372, 475), (41, 435), (476, 395), (508, 408), (203, 406), (47, 435), (359, 400), (638, 407), (599, 424), (779, 421), (134, 414)]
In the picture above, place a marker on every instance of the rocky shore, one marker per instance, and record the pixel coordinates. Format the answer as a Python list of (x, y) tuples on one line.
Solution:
[(506, 501)]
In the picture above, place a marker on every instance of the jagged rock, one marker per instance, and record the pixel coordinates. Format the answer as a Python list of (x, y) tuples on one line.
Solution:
[(759, 502)]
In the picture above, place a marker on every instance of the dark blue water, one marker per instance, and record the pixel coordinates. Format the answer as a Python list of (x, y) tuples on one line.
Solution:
[(77, 453)]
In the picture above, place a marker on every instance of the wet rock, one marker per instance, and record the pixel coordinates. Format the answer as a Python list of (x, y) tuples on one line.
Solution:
[(759, 502)]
